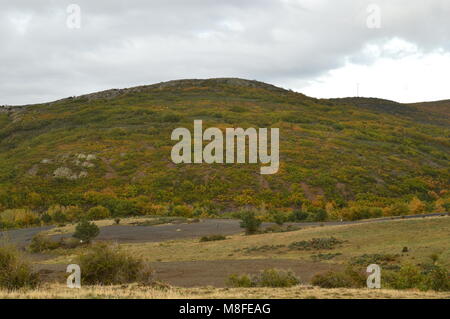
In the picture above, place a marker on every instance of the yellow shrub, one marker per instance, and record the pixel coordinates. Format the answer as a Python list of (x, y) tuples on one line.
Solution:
[(416, 206), (19, 217)]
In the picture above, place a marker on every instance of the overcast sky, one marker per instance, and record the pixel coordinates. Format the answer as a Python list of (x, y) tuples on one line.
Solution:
[(397, 50)]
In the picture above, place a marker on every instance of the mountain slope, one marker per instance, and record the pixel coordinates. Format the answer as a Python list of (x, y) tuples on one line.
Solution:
[(113, 148)]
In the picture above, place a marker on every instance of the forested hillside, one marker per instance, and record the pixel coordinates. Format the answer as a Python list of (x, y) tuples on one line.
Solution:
[(340, 158)]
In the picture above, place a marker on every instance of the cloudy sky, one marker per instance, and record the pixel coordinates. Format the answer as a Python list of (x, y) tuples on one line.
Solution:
[(397, 50)]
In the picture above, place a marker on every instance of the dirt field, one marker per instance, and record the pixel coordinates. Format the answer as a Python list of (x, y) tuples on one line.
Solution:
[(203, 273), (215, 272), (136, 234)]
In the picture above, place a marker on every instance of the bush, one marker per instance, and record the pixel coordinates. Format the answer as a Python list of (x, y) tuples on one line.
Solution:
[(18, 218), (276, 278), (41, 243), (15, 272), (86, 231), (236, 281), (250, 222), (56, 213), (212, 238), (182, 210), (408, 277), (438, 279), (104, 264), (98, 212), (349, 278), (427, 276), (267, 278)]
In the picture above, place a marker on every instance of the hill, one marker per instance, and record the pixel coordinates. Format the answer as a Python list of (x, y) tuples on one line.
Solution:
[(352, 158)]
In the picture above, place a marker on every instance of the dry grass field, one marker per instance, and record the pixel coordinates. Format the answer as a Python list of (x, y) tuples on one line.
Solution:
[(54, 291)]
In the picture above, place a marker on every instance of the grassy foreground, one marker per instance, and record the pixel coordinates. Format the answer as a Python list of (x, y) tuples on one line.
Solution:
[(54, 291)]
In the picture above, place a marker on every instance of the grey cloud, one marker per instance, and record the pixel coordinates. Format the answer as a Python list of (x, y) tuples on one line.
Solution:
[(126, 43)]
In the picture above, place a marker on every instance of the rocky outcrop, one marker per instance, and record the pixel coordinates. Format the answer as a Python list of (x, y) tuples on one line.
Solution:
[(67, 173), (113, 93), (64, 172)]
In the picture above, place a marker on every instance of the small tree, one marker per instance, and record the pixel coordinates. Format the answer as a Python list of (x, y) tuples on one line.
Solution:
[(86, 231), (15, 271), (250, 222)]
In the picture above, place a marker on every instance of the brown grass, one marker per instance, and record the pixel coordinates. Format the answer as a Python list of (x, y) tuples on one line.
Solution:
[(56, 291)]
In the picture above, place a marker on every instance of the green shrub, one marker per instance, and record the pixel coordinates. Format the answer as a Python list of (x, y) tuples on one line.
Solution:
[(86, 231), (98, 212), (437, 279), (408, 277), (250, 222), (15, 272), (332, 279), (236, 281), (212, 238), (427, 276), (267, 278), (41, 243), (104, 264), (349, 278), (276, 278)]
